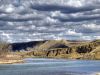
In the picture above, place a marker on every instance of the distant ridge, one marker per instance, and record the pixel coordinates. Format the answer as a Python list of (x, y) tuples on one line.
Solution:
[(25, 45), (46, 44)]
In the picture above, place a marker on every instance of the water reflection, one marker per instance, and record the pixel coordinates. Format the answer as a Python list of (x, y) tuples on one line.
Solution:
[(40, 66)]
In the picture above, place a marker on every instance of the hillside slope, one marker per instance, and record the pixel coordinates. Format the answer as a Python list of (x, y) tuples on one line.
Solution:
[(66, 49)]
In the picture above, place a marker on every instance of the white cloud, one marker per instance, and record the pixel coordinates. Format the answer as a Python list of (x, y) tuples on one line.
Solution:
[(9, 8), (56, 13), (89, 37), (73, 32), (86, 38), (75, 3), (10, 23), (96, 37), (28, 27), (92, 26), (7, 37), (50, 20), (41, 28)]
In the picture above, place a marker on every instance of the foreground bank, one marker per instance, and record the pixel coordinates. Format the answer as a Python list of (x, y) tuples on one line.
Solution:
[(11, 58), (10, 61)]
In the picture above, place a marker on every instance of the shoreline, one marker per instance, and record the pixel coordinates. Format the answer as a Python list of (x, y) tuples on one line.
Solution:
[(11, 58), (14, 61), (11, 61), (30, 62)]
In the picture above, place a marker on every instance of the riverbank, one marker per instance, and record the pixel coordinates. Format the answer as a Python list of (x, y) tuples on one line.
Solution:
[(10, 61), (11, 58)]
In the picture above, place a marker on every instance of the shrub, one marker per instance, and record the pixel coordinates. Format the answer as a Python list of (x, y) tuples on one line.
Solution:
[(4, 48)]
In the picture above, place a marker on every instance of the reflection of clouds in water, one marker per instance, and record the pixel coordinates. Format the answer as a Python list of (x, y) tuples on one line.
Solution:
[(23, 20)]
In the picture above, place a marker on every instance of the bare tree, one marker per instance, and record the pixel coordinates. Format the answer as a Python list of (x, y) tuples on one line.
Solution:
[(4, 48)]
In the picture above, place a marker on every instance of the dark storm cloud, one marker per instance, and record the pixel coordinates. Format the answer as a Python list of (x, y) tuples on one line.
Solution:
[(12, 19), (63, 9), (78, 19)]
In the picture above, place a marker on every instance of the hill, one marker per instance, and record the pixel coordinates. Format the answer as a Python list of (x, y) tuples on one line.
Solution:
[(54, 49), (68, 49)]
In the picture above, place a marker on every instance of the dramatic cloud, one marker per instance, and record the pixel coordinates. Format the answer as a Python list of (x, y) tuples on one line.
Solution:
[(29, 20)]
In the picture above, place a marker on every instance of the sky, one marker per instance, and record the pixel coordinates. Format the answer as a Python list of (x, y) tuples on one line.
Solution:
[(34, 20)]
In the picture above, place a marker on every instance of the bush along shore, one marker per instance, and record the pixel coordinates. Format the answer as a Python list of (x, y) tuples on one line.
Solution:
[(11, 58), (6, 55)]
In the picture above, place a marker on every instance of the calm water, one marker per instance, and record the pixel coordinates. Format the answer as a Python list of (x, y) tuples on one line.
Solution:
[(41, 66)]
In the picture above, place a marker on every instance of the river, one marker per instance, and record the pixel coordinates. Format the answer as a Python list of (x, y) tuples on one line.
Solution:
[(43, 66)]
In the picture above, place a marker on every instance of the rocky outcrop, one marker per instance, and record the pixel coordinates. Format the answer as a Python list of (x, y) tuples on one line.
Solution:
[(63, 49)]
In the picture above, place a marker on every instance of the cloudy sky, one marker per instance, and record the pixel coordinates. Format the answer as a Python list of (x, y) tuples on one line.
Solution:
[(29, 20)]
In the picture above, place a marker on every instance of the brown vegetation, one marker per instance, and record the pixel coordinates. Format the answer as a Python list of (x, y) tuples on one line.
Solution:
[(4, 49), (6, 57), (69, 50)]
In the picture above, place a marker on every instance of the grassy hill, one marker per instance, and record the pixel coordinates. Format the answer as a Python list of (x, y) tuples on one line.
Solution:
[(54, 49), (68, 49)]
